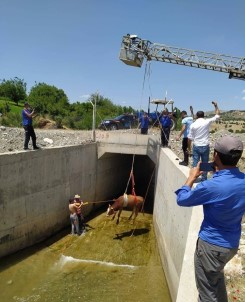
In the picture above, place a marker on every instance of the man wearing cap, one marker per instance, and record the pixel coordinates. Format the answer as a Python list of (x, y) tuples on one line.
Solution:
[(223, 201), (27, 115), (75, 229), (76, 216), (199, 137)]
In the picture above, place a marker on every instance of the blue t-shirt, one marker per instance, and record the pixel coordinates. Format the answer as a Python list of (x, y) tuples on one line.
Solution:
[(26, 120), (165, 121), (223, 200), (187, 121), (144, 122)]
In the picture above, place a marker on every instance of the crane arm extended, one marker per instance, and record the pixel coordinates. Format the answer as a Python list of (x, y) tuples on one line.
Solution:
[(134, 50)]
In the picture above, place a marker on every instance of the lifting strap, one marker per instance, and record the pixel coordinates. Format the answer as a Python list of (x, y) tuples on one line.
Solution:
[(133, 183)]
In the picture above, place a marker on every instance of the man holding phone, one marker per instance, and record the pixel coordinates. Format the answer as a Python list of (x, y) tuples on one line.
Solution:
[(199, 136), (27, 115), (223, 201)]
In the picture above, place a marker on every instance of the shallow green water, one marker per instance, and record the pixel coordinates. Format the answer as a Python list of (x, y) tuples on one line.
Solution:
[(104, 264)]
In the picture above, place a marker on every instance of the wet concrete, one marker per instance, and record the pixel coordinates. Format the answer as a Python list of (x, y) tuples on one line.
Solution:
[(108, 263)]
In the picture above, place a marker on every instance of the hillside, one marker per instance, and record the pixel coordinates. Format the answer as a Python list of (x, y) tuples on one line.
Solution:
[(229, 115)]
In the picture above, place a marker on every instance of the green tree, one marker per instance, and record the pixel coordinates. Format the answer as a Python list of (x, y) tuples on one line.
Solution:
[(47, 99), (14, 89)]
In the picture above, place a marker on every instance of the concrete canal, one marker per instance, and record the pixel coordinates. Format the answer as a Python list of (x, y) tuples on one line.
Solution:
[(101, 265), (108, 263)]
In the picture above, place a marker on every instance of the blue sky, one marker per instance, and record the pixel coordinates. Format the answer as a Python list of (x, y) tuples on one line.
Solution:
[(74, 45)]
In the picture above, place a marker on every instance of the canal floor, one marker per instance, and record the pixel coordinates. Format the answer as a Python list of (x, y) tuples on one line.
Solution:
[(109, 263)]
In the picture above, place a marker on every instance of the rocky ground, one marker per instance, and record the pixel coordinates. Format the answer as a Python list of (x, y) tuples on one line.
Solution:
[(11, 140)]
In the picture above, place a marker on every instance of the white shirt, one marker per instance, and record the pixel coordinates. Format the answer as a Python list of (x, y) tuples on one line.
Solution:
[(199, 130)]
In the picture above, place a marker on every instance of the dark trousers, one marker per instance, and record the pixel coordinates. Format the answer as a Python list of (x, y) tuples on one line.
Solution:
[(185, 149), (144, 130), (29, 133), (81, 222), (165, 132), (210, 261)]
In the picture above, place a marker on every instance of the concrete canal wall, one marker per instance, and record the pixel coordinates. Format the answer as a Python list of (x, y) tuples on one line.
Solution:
[(35, 188), (176, 228)]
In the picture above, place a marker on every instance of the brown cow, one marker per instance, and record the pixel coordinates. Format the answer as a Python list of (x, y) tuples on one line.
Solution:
[(135, 203)]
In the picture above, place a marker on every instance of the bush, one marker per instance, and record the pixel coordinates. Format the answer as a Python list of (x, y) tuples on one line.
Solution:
[(58, 121), (69, 122), (12, 120)]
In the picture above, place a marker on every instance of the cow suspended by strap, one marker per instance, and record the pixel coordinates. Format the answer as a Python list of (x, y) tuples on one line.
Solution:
[(132, 202)]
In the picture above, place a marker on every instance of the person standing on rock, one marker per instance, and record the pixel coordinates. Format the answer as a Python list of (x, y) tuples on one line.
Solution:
[(186, 123), (222, 198), (199, 136), (27, 115)]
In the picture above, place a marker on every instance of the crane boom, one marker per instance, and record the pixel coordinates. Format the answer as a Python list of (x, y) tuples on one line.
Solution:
[(134, 50)]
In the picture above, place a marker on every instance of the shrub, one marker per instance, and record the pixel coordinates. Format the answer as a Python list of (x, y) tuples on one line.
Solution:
[(12, 120)]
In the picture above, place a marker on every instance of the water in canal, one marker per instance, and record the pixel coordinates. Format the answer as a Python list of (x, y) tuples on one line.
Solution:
[(104, 264)]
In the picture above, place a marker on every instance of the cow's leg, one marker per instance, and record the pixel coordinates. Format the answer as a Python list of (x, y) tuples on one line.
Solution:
[(118, 216), (113, 216), (133, 211), (135, 214)]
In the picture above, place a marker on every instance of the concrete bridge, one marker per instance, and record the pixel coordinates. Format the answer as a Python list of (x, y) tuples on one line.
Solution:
[(127, 143), (35, 188)]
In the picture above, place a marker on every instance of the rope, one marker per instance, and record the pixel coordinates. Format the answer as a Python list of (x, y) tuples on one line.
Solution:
[(143, 86), (148, 188), (149, 73), (142, 209), (133, 184), (132, 167), (102, 201), (130, 175)]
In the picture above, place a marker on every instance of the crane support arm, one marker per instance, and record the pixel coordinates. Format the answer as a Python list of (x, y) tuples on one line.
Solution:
[(134, 50)]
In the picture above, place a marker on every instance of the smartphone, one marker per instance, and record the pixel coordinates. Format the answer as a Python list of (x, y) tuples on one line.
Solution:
[(207, 166)]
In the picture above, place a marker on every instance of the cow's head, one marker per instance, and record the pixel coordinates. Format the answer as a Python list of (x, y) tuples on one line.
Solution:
[(110, 210)]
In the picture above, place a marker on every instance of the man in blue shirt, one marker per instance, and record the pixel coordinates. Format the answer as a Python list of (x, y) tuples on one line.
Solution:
[(186, 122), (223, 200), (27, 115), (165, 124), (144, 123)]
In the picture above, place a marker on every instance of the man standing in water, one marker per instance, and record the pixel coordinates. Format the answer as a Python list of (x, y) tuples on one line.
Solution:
[(76, 216), (223, 201), (75, 229)]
